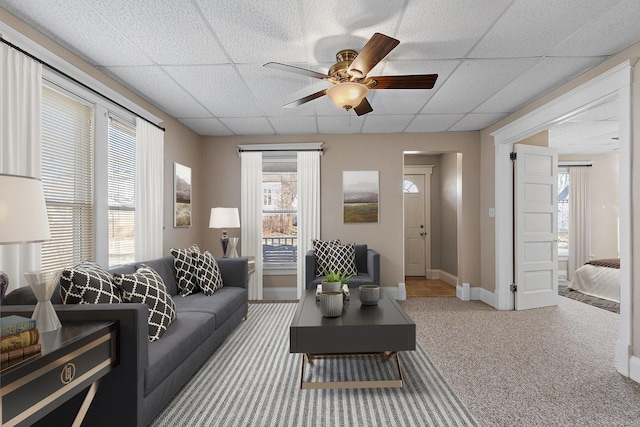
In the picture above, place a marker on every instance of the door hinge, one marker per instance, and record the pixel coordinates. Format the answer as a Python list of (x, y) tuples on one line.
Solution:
[(514, 288), (512, 156)]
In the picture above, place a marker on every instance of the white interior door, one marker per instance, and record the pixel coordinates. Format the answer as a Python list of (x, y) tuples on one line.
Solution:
[(417, 238), (536, 227)]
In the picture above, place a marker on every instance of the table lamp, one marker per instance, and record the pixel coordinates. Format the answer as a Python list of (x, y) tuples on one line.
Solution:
[(23, 219), (225, 218)]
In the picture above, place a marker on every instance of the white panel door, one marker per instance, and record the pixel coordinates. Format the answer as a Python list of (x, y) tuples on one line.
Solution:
[(536, 226), (417, 240)]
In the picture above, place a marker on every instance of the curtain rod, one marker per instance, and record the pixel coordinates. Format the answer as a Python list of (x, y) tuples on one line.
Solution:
[(240, 150), (73, 79)]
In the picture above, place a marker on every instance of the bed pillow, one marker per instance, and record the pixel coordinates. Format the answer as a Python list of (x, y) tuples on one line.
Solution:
[(88, 283), (321, 251), (186, 269), (147, 287), (209, 277)]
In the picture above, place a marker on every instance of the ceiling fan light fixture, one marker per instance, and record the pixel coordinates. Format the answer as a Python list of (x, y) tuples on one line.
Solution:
[(347, 95)]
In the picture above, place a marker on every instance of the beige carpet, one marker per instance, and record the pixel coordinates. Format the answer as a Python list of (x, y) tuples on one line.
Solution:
[(545, 367)]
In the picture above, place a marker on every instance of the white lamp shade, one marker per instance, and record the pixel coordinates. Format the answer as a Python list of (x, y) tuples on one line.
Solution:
[(224, 218), (348, 94), (23, 212)]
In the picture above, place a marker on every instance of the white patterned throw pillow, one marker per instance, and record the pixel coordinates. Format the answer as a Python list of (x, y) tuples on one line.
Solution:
[(321, 250), (342, 258), (186, 265), (146, 286), (88, 283), (209, 278)]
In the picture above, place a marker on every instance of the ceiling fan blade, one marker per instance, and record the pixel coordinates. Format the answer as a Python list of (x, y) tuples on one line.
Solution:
[(306, 99), (423, 81), (376, 48), (363, 108), (297, 70)]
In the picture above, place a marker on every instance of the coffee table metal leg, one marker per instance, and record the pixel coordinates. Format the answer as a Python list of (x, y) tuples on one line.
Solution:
[(316, 385)]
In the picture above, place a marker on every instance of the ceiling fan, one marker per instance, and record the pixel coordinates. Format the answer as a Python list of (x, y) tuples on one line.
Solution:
[(349, 76)]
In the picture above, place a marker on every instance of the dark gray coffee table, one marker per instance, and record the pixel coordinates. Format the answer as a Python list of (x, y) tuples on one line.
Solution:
[(379, 329)]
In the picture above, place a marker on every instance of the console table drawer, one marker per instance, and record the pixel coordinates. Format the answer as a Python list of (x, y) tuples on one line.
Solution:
[(36, 387)]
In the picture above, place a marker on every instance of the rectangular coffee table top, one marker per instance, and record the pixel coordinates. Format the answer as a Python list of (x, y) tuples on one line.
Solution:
[(360, 328)]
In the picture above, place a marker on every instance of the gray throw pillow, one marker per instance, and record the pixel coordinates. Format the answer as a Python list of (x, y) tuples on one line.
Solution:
[(209, 277), (321, 250), (186, 269), (88, 283)]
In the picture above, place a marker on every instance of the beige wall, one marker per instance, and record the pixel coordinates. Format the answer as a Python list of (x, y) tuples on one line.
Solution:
[(181, 143), (220, 180), (487, 178), (604, 203), (449, 213)]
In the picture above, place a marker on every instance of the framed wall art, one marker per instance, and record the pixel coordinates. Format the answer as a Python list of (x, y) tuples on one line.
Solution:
[(181, 195), (360, 191)]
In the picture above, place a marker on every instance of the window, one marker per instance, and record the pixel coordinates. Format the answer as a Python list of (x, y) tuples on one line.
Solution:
[(279, 212), (563, 212), (67, 176), (121, 192), (410, 187)]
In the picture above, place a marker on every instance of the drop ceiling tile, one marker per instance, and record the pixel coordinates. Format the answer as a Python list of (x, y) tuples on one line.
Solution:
[(473, 82), (257, 31), (274, 88), (409, 101), (294, 125), (545, 75), (433, 122), (444, 28), (208, 126), (171, 32), (331, 26), (385, 124), (347, 123), (612, 32), (534, 27), (90, 37), (248, 125), (476, 121), (219, 88), (153, 84)]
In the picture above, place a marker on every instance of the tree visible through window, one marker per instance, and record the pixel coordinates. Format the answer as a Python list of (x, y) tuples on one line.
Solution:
[(279, 211), (563, 213)]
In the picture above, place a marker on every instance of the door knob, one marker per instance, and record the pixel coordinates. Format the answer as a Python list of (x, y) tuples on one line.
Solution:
[(421, 225), (422, 233)]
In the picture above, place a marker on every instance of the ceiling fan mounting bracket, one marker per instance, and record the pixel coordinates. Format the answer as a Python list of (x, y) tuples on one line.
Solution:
[(339, 72)]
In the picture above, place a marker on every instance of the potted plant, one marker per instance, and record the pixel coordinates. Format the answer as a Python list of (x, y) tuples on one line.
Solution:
[(335, 281)]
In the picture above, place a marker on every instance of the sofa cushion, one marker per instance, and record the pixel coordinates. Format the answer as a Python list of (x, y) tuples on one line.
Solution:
[(186, 269), (208, 273), (165, 268), (321, 250), (88, 283), (342, 258), (180, 340), (146, 286), (221, 305), (361, 258)]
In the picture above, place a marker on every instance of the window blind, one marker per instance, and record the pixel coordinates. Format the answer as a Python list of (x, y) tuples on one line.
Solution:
[(67, 176), (121, 192)]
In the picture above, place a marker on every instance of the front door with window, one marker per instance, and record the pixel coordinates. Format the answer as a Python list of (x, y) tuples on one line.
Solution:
[(417, 238)]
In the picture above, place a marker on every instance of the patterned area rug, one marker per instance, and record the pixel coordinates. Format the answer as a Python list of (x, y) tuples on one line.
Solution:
[(253, 380), (563, 290)]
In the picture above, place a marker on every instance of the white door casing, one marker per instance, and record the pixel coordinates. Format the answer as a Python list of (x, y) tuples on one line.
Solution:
[(536, 226), (417, 212)]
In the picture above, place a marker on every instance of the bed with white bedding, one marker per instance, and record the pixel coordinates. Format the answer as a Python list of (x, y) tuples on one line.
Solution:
[(598, 278)]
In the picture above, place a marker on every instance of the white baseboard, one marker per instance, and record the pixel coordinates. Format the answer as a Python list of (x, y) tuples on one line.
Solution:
[(442, 275), (279, 293), (487, 297), (634, 369)]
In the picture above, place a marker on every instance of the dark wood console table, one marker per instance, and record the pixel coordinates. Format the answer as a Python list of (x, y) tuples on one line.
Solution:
[(73, 358)]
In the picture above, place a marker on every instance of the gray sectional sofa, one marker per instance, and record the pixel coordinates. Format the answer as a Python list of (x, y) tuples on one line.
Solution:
[(150, 373)]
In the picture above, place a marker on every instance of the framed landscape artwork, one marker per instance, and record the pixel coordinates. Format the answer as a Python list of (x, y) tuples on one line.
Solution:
[(181, 195), (360, 191)]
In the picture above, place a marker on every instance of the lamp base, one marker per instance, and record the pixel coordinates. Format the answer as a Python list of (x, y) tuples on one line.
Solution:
[(4, 284)]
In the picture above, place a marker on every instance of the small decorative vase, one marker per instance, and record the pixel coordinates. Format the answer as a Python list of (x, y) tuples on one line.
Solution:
[(331, 286), (331, 304), (369, 294), (43, 285)]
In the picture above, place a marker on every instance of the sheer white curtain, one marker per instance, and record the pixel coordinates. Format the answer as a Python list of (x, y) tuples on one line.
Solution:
[(20, 144), (149, 190), (580, 218), (308, 208), (251, 216)]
